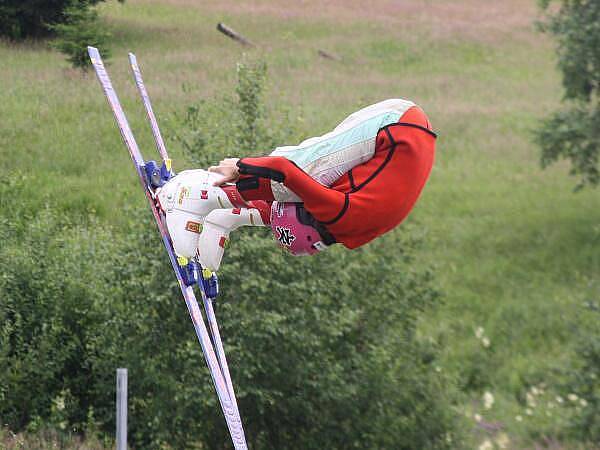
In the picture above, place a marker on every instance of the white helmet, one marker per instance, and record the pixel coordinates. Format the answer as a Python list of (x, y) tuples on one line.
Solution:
[(186, 199)]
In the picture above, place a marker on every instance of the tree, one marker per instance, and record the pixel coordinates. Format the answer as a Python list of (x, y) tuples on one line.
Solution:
[(574, 131), (20, 19), (80, 29)]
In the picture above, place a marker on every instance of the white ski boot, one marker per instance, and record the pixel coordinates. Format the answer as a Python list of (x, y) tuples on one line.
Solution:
[(215, 233), (186, 199)]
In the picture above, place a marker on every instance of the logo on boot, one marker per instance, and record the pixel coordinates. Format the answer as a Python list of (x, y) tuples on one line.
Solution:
[(184, 193), (194, 227)]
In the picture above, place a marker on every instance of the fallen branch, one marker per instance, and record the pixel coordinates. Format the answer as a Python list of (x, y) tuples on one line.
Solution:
[(327, 55), (234, 35)]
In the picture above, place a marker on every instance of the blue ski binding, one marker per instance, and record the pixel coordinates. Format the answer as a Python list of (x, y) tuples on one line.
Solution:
[(193, 273), (157, 176), (210, 283), (189, 270)]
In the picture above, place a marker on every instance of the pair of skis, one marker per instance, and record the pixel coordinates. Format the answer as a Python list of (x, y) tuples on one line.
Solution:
[(187, 273)]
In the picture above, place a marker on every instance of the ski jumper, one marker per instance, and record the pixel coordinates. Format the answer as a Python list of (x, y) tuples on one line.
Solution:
[(358, 181)]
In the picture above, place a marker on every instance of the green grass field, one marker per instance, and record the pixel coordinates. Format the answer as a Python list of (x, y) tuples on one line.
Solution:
[(515, 250)]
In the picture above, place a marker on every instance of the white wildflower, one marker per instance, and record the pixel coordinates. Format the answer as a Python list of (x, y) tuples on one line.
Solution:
[(530, 400), (583, 402), (529, 412), (59, 403), (519, 418), (479, 332), (559, 399), (485, 342), (488, 400), (449, 438), (477, 417), (486, 445), (572, 397), (502, 441), (438, 369), (535, 390)]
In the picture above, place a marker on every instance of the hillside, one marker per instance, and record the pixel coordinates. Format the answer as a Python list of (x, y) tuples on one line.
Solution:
[(515, 250)]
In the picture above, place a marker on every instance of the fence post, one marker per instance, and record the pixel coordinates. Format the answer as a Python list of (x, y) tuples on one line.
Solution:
[(121, 409)]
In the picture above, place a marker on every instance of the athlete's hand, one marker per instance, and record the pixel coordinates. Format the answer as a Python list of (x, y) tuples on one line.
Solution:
[(229, 169)]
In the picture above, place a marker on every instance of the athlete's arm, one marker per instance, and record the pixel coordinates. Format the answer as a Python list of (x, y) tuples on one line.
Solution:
[(256, 173), (229, 169)]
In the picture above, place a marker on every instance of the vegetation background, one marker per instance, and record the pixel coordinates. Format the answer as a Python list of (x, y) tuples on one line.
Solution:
[(510, 356)]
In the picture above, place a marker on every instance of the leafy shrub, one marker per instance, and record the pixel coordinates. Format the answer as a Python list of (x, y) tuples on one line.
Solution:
[(80, 29), (583, 378), (327, 357), (236, 125), (574, 132)]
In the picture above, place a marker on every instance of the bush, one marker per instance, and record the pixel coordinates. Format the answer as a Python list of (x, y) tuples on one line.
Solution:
[(20, 19), (583, 378), (236, 125), (323, 350), (574, 132), (327, 358), (80, 29), (51, 287)]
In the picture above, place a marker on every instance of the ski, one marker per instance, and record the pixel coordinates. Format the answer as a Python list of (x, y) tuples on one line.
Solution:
[(137, 75), (186, 272), (208, 302)]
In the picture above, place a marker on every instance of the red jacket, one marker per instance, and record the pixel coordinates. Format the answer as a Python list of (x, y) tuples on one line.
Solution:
[(367, 201)]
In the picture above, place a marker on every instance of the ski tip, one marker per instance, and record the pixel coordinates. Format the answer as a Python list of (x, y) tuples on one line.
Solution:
[(93, 52), (132, 58)]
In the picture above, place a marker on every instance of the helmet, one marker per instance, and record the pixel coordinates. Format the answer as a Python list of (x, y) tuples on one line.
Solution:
[(297, 231)]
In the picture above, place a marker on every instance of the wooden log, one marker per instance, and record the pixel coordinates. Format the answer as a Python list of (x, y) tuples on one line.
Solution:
[(327, 55), (234, 35)]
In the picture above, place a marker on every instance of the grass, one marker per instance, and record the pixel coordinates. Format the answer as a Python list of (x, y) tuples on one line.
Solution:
[(515, 249), (47, 439)]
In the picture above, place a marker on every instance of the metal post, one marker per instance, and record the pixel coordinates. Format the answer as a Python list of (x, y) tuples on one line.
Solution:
[(121, 409)]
